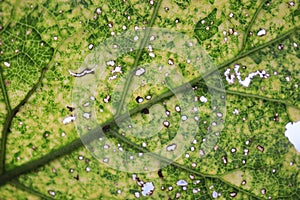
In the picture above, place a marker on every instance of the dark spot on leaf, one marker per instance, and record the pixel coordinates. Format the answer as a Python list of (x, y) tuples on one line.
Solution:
[(160, 173), (71, 109), (106, 128), (145, 111), (77, 177), (138, 179)]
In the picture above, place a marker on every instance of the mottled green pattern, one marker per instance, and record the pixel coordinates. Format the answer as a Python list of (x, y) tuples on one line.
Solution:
[(42, 40)]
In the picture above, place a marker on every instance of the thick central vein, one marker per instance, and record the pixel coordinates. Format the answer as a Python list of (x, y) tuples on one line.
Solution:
[(137, 58)]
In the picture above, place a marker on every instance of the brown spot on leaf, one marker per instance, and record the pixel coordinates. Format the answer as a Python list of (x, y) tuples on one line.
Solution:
[(71, 109), (160, 173), (77, 177)]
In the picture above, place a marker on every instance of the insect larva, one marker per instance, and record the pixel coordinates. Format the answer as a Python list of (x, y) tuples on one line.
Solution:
[(84, 72)]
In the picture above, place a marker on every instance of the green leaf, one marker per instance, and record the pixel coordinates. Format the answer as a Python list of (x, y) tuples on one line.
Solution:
[(43, 43), (208, 26)]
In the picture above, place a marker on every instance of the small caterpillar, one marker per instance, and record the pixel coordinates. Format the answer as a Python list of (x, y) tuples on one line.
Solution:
[(83, 73)]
